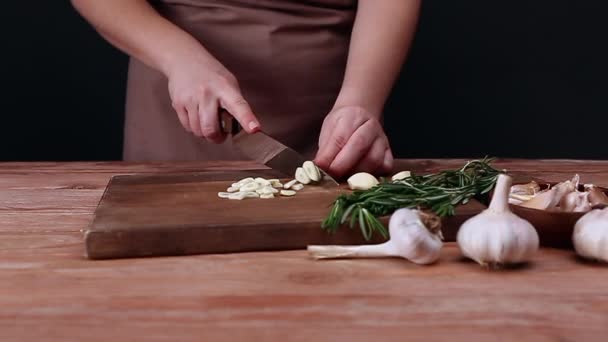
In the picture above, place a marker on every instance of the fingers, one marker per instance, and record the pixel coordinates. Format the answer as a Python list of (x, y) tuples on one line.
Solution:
[(357, 145), (373, 161), (326, 129), (389, 161), (193, 118), (337, 139), (182, 115), (237, 106), (210, 122)]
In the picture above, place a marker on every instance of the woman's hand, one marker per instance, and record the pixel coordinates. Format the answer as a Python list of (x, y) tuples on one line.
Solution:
[(199, 85), (199, 91), (353, 140)]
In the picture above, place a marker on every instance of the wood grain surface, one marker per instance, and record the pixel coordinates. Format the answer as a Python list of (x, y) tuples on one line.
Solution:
[(50, 292)]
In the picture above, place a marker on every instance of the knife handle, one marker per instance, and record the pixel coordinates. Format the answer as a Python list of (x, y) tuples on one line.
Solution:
[(228, 123)]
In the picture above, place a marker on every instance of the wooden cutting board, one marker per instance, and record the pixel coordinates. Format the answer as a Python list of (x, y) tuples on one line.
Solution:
[(163, 215)]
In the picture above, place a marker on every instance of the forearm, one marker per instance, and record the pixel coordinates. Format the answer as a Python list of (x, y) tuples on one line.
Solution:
[(381, 38), (137, 29)]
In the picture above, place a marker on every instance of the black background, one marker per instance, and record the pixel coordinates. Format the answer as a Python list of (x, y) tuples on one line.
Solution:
[(502, 78)]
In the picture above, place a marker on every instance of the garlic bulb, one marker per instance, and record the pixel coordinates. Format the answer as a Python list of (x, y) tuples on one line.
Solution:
[(590, 236), (410, 238), (497, 236)]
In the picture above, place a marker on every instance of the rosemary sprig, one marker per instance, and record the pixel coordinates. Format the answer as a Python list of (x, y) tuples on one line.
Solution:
[(439, 192)]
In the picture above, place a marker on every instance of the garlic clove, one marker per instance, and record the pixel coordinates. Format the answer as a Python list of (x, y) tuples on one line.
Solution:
[(569, 202), (362, 181), (541, 201), (401, 175), (590, 235), (596, 196), (301, 176)]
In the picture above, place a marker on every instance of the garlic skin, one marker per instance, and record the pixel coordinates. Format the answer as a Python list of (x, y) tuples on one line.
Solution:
[(590, 235), (497, 236), (409, 239)]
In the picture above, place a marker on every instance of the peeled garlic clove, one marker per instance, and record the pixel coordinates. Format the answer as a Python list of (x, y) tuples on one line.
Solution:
[(312, 171), (590, 236), (290, 184), (596, 196), (496, 236), (362, 181), (401, 175), (297, 187), (301, 176), (410, 238)]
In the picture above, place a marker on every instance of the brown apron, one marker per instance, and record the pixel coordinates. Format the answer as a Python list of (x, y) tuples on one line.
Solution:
[(289, 57)]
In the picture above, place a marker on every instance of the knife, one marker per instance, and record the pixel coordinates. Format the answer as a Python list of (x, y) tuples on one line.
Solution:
[(266, 150)]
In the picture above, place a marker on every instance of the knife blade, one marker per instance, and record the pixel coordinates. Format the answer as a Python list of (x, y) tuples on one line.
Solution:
[(266, 150)]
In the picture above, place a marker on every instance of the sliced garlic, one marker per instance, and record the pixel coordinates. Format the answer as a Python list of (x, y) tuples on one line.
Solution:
[(251, 194), (267, 196), (233, 189), (239, 196), (267, 190), (362, 181), (262, 181), (312, 171), (223, 194), (297, 187), (290, 184), (253, 186), (276, 183), (288, 193), (301, 176), (401, 175)]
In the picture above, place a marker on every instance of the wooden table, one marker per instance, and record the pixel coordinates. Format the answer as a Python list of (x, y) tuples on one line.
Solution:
[(48, 291)]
